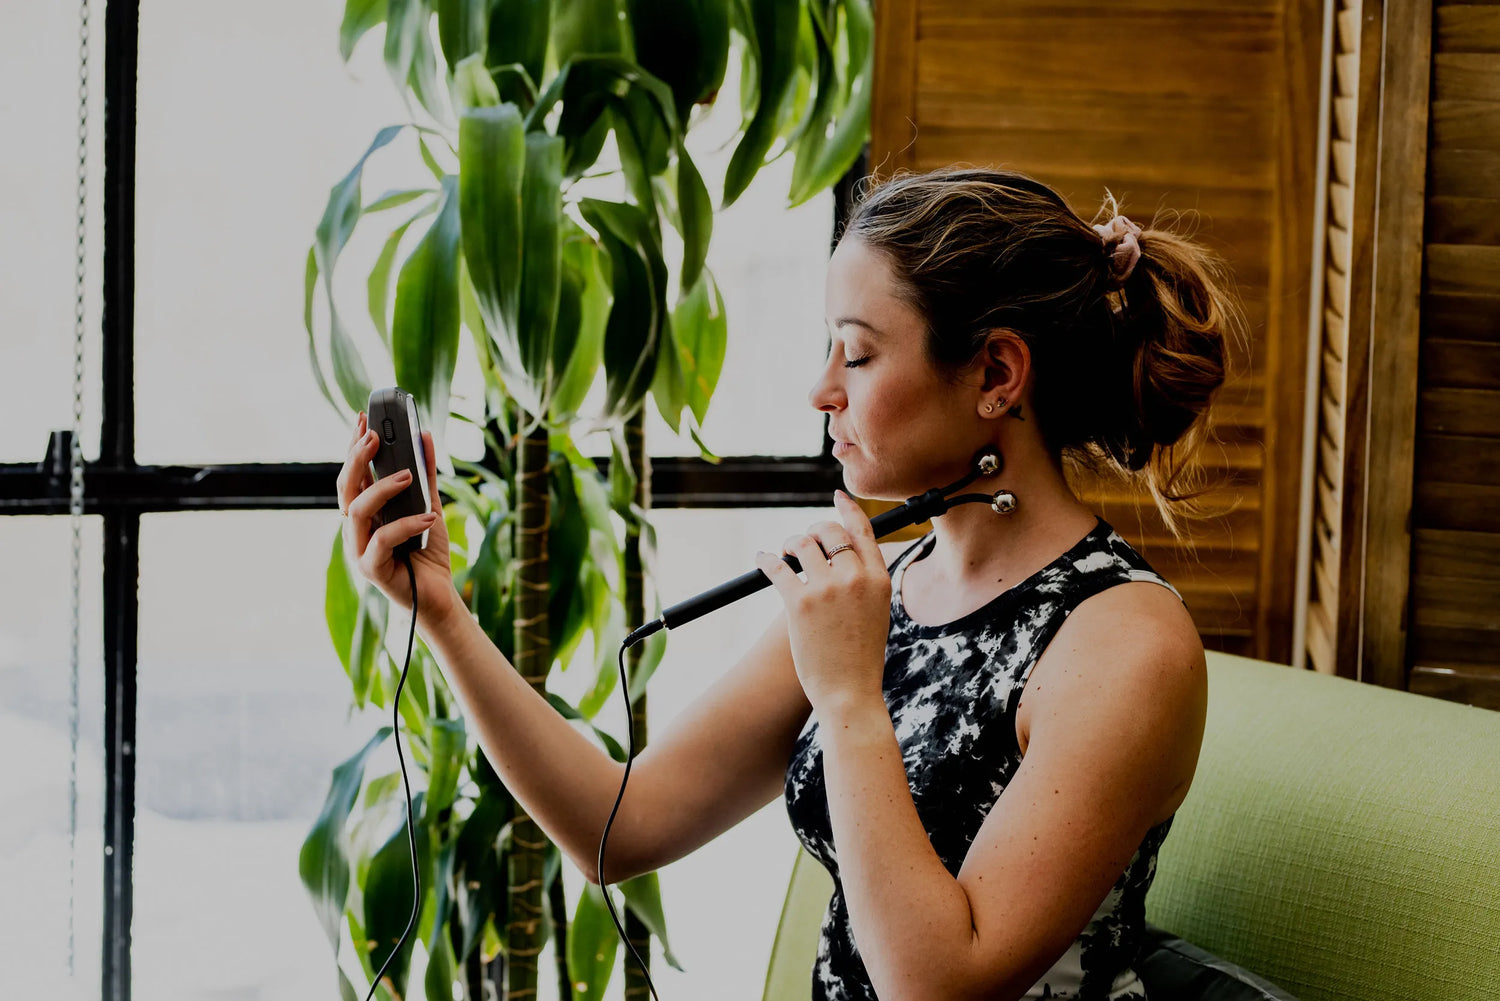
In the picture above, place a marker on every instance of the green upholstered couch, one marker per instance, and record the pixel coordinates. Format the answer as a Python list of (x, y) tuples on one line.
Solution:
[(1340, 840)]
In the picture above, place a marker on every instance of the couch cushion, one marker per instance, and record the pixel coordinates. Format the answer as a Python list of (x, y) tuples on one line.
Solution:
[(1339, 839), (1174, 969)]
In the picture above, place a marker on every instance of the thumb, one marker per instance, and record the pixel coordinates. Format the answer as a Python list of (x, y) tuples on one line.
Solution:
[(436, 501)]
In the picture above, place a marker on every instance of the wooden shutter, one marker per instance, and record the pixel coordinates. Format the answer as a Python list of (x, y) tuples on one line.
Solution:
[(1205, 107), (1455, 623)]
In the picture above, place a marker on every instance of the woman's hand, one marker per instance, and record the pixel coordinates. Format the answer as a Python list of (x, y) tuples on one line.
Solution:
[(373, 542), (839, 619)]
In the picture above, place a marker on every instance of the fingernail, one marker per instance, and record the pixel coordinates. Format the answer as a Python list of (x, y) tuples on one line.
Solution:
[(429, 518), (404, 475)]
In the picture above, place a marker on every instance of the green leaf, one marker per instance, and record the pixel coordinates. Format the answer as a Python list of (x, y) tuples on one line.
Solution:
[(476, 865), (685, 43), (391, 199), (643, 897), (388, 897), (582, 311), (852, 130), (541, 223), (567, 547), (774, 23), (340, 601), (321, 863), (424, 331), (702, 333), (405, 20), (696, 212), (424, 76), (377, 286), (437, 982), (473, 87), (666, 383), (592, 944), (448, 754), (518, 35), (309, 293), (366, 642), (359, 17), (586, 27), (633, 333), (340, 216), (462, 27), (492, 161)]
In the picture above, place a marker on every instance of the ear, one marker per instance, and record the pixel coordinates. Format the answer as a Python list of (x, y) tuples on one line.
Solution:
[(1004, 365)]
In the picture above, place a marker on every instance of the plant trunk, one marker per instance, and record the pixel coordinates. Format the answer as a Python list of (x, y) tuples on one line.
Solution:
[(528, 856), (635, 613), (558, 900)]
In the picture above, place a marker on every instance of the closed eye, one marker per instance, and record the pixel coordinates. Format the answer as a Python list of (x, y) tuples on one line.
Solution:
[(856, 362)]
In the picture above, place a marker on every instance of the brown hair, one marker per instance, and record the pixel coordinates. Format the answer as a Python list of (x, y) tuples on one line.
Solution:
[(976, 249)]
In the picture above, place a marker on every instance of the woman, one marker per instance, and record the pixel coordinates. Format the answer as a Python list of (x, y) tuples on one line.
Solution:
[(985, 742)]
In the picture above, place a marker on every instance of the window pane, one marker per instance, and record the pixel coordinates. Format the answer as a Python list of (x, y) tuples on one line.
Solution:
[(770, 263), (234, 171), (241, 722), (247, 117), (35, 743), (39, 64)]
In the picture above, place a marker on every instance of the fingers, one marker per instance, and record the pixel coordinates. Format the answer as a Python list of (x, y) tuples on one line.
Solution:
[(384, 541), (355, 475), (435, 503), (363, 508), (830, 535)]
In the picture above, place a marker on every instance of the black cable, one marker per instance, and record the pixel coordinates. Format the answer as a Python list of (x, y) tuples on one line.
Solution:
[(629, 757), (411, 835)]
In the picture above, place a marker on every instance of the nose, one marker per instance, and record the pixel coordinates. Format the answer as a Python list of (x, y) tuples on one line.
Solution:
[(827, 393)]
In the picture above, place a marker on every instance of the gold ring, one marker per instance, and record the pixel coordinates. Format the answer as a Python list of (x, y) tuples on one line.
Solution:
[(838, 549)]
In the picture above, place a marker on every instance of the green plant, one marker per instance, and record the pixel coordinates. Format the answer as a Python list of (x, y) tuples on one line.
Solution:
[(519, 99)]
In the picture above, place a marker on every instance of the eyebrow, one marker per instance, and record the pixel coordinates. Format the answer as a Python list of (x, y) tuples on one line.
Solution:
[(841, 321)]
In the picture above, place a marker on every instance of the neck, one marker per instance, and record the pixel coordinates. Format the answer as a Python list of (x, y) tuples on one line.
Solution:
[(976, 545)]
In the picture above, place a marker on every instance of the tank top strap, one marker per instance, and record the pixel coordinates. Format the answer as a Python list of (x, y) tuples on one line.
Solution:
[(897, 564)]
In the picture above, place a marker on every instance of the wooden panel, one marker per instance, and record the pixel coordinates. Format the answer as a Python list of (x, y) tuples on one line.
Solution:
[(1462, 364), (1468, 685), (1461, 411), (1319, 638), (1466, 124), (1463, 269), (1219, 127), (1465, 173), (1463, 317), (1468, 29), (1463, 506), (1395, 343), (1457, 459), (1457, 603), (1464, 220), (1465, 76), (1474, 555), (1444, 645)]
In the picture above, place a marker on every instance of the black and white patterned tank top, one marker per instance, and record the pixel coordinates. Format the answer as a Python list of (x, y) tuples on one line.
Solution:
[(952, 690)]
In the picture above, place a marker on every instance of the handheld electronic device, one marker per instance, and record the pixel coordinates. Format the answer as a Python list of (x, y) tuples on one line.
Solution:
[(392, 412), (393, 415)]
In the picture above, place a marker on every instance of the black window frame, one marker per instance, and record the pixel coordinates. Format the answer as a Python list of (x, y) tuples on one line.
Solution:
[(120, 490)]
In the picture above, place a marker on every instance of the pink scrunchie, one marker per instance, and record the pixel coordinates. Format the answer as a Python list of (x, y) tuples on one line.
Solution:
[(1127, 251)]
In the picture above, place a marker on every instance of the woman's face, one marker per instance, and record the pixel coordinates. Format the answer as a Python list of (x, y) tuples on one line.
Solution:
[(907, 430)]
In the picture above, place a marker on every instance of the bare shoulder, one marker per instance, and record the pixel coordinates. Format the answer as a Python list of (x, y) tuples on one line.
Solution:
[(1133, 647)]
